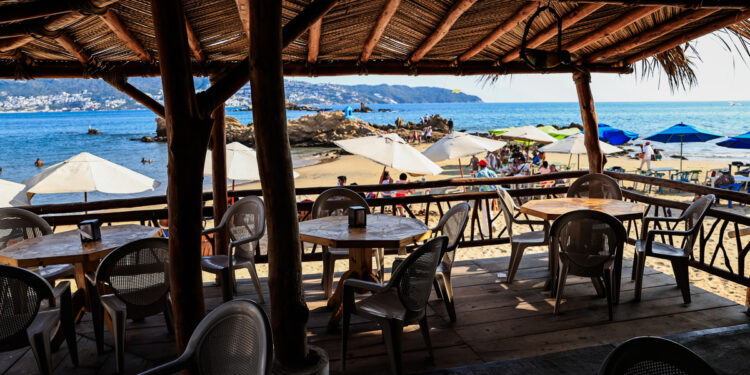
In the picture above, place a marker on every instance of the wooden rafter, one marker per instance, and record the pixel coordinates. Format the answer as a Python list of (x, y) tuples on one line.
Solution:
[(611, 27), (569, 19), (690, 35), (194, 42), (499, 31), (313, 41), (44, 8), (53, 24), (692, 4), (110, 18), (66, 42), (384, 18), (305, 19), (458, 8), (626, 45), (139, 96), (243, 8)]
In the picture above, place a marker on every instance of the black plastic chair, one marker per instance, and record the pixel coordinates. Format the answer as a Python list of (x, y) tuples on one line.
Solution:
[(246, 222), (588, 243), (595, 185), (234, 338), (131, 282), (451, 225), (31, 310), (17, 224), (679, 256), (403, 301), (654, 356)]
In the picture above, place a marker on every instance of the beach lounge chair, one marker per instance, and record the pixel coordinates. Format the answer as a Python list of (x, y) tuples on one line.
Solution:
[(586, 243), (26, 321), (679, 256), (233, 338)]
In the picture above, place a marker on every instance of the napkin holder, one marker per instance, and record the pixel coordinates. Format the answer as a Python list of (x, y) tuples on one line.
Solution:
[(357, 217), (90, 230)]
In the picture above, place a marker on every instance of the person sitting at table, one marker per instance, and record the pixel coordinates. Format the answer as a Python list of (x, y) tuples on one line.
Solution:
[(491, 160), (726, 178), (520, 167), (544, 169), (486, 172), (402, 179)]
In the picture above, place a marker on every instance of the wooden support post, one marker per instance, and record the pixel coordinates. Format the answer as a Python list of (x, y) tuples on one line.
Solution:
[(219, 177), (590, 123), (188, 130), (289, 312)]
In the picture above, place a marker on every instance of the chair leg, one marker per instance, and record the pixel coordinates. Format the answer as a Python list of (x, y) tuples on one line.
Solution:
[(380, 259), (67, 324), (639, 276), (227, 287), (635, 265), (40, 345), (682, 275), (608, 290), (516, 253), (448, 297), (168, 318), (347, 313), (256, 282), (438, 288), (563, 275), (329, 265), (424, 328), (393, 330), (97, 316), (118, 326)]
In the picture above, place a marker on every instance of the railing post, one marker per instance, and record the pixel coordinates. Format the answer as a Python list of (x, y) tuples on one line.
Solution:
[(590, 123), (219, 176)]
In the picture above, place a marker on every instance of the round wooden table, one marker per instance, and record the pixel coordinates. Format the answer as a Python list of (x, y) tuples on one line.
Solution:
[(382, 231), (551, 209)]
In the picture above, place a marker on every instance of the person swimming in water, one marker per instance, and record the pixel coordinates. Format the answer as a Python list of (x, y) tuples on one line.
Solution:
[(38, 162)]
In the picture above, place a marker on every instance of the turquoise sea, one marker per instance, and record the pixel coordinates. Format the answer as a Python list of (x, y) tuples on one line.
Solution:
[(54, 137)]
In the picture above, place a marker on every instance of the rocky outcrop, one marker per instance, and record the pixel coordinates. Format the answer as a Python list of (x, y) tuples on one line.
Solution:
[(323, 128), (238, 132), (363, 108), (161, 127)]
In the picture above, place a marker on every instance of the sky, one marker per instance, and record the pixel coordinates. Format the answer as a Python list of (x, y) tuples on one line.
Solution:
[(722, 76)]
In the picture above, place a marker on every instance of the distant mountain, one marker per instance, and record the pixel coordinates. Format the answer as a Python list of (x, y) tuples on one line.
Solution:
[(95, 94)]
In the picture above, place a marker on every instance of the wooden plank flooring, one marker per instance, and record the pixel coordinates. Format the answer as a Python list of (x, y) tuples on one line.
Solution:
[(496, 321)]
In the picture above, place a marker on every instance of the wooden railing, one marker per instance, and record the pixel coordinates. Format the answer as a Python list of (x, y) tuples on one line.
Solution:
[(433, 198)]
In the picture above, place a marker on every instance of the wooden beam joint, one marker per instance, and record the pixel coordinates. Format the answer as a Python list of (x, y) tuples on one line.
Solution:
[(115, 24), (384, 18), (458, 8)]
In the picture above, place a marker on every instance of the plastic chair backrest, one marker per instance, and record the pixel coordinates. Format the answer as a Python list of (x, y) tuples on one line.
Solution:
[(21, 294), (587, 238), (17, 224), (245, 219), (336, 202), (509, 208), (452, 225), (693, 217), (413, 277), (138, 274), (595, 185), (653, 356)]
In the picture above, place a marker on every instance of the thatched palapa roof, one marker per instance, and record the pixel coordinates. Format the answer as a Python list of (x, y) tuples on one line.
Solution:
[(91, 38)]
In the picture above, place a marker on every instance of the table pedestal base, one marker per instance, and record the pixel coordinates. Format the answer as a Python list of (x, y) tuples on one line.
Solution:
[(360, 267)]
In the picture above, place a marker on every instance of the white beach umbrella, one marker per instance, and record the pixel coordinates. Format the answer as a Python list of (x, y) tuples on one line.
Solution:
[(12, 194), (86, 172), (390, 150), (574, 144), (528, 133), (242, 163), (457, 145)]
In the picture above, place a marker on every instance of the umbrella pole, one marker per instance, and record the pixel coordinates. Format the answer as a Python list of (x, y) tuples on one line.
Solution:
[(460, 169), (382, 175), (680, 154), (85, 199), (570, 158)]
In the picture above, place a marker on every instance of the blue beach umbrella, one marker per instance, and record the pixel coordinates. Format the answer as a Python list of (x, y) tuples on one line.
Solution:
[(738, 141), (682, 133), (615, 136)]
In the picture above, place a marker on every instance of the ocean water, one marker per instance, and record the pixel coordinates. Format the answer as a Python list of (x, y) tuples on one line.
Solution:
[(54, 137)]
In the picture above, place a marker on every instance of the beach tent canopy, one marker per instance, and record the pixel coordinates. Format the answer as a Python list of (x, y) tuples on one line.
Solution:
[(615, 136), (738, 141), (558, 133), (457, 145), (86, 172), (11, 194), (392, 151), (682, 133), (242, 163), (574, 144), (528, 134)]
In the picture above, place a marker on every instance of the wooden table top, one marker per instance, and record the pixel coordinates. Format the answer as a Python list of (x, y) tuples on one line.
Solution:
[(550, 209), (66, 247), (384, 231)]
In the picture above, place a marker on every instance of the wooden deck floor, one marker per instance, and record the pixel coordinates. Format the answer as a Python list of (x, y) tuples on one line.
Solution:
[(496, 321)]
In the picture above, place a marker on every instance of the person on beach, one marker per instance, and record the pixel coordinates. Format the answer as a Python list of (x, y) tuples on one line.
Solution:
[(491, 160), (648, 154), (385, 181), (341, 181), (38, 162), (544, 169), (428, 134), (520, 167), (143, 160), (725, 179), (402, 179), (486, 172), (474, 163)]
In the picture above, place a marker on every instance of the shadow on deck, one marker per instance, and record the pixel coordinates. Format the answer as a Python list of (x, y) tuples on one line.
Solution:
[(496, 321)]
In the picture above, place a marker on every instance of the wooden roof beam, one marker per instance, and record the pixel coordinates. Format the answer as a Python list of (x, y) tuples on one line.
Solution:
[(194, 42), (243, 8), (499, 31), (45, 8), (690, 35), (66, 42), (239, 75), (458, 8), (122, 85), (110, 18), (611, 27), (624, 46), (568, 20), (381, 23), (313, 42), (692, 4)]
